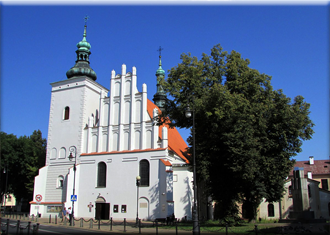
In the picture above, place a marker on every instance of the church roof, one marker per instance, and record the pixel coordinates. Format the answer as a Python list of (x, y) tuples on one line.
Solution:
[(175, 141), (166, 163), (319, 167)]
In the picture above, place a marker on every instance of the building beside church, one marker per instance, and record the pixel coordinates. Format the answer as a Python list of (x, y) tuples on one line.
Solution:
[(112, 137), (306, 193)]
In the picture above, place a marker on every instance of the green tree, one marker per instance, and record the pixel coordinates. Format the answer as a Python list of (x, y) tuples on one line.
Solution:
[(22, 157), (246, 133)]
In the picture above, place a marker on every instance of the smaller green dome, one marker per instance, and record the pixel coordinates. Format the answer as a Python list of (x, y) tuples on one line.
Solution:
[(83, 45), (82, 67), (160, 70)]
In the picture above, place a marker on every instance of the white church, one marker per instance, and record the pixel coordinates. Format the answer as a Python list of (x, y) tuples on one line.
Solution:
[(112, 137)]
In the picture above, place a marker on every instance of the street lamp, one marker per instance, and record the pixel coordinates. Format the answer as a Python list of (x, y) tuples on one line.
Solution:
[(73, 149), (138, 182), (196, 231), (5, 193)]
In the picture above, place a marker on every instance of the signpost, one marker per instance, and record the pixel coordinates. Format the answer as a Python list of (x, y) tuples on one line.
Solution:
[(73, 198), (38, 199)]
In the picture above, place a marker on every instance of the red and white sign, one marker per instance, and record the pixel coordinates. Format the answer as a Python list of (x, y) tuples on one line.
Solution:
[(38, 197)]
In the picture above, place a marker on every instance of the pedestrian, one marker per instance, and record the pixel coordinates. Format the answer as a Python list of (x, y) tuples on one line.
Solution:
[(63, 214), (70, 215)]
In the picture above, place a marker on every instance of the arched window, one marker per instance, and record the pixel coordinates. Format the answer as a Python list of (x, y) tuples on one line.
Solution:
[(66, 113), (271, 210), (144, 172), (60, 181), (102, 175)]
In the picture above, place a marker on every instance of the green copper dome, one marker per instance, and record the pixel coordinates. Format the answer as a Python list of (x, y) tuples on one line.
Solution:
[(83, 44), (160, 71), (160, 96), (82, 68)]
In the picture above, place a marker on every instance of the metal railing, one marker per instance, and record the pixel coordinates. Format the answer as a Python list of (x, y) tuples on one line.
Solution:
[(175, 227), (20, 229)]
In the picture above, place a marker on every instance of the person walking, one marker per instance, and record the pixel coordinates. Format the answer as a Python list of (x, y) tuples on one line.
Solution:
[(63, 214), (70, 215)]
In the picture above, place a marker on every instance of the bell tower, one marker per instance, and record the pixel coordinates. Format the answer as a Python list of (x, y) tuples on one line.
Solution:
[(160, 96), (73, 101)]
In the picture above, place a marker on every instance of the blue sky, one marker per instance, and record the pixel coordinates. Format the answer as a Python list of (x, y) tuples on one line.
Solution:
[(38, 43)]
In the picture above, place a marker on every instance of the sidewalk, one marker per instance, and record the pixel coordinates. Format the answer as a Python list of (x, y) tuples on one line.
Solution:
[(118, 227), (148, 228)]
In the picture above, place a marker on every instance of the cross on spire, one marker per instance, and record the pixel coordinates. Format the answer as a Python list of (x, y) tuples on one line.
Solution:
[(160, 51), (86, 18)]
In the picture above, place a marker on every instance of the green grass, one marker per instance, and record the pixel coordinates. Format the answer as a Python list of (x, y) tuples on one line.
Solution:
[(267, 221), (243, 228)]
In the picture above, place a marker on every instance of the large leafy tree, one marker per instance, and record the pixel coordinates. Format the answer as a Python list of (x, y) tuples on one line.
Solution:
[(246, 133), (21, 158)]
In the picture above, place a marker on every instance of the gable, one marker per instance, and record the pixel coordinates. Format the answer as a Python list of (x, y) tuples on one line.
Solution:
[(175, 140)]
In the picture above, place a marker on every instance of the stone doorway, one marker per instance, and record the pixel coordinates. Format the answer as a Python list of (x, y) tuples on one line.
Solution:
[(102, 209)]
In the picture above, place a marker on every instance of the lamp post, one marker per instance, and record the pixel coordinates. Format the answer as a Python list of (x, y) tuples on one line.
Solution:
[(138, 181), (196, 230), (73, 149), (5, 193)]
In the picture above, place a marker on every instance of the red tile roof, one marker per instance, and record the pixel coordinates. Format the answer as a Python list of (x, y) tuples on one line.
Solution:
[(319, 167), (46, 203), (166, 163), (175, 141)]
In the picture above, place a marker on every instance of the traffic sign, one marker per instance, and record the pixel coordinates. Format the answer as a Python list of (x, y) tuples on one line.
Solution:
[(38, 197), (73, 198)]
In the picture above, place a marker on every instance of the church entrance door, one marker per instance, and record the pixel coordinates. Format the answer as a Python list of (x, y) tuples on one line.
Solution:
[(102, 211)]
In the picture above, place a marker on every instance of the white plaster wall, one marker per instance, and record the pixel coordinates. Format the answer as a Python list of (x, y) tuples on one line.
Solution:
[(83, 96), (183, 193), (121, 189), (39, 188), (69, 191), (263, 210)]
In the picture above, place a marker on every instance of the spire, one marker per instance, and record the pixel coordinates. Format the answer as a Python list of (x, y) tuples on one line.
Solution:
[(160, 71), (160, 96), (82, 68)]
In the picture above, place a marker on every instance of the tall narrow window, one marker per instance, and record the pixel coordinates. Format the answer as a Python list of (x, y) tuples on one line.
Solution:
[(144, 172), (60, 181), (102, 175), (66, 113), (271, 210)]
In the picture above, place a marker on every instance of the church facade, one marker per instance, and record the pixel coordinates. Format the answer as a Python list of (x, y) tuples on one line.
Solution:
[(106, 155)]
